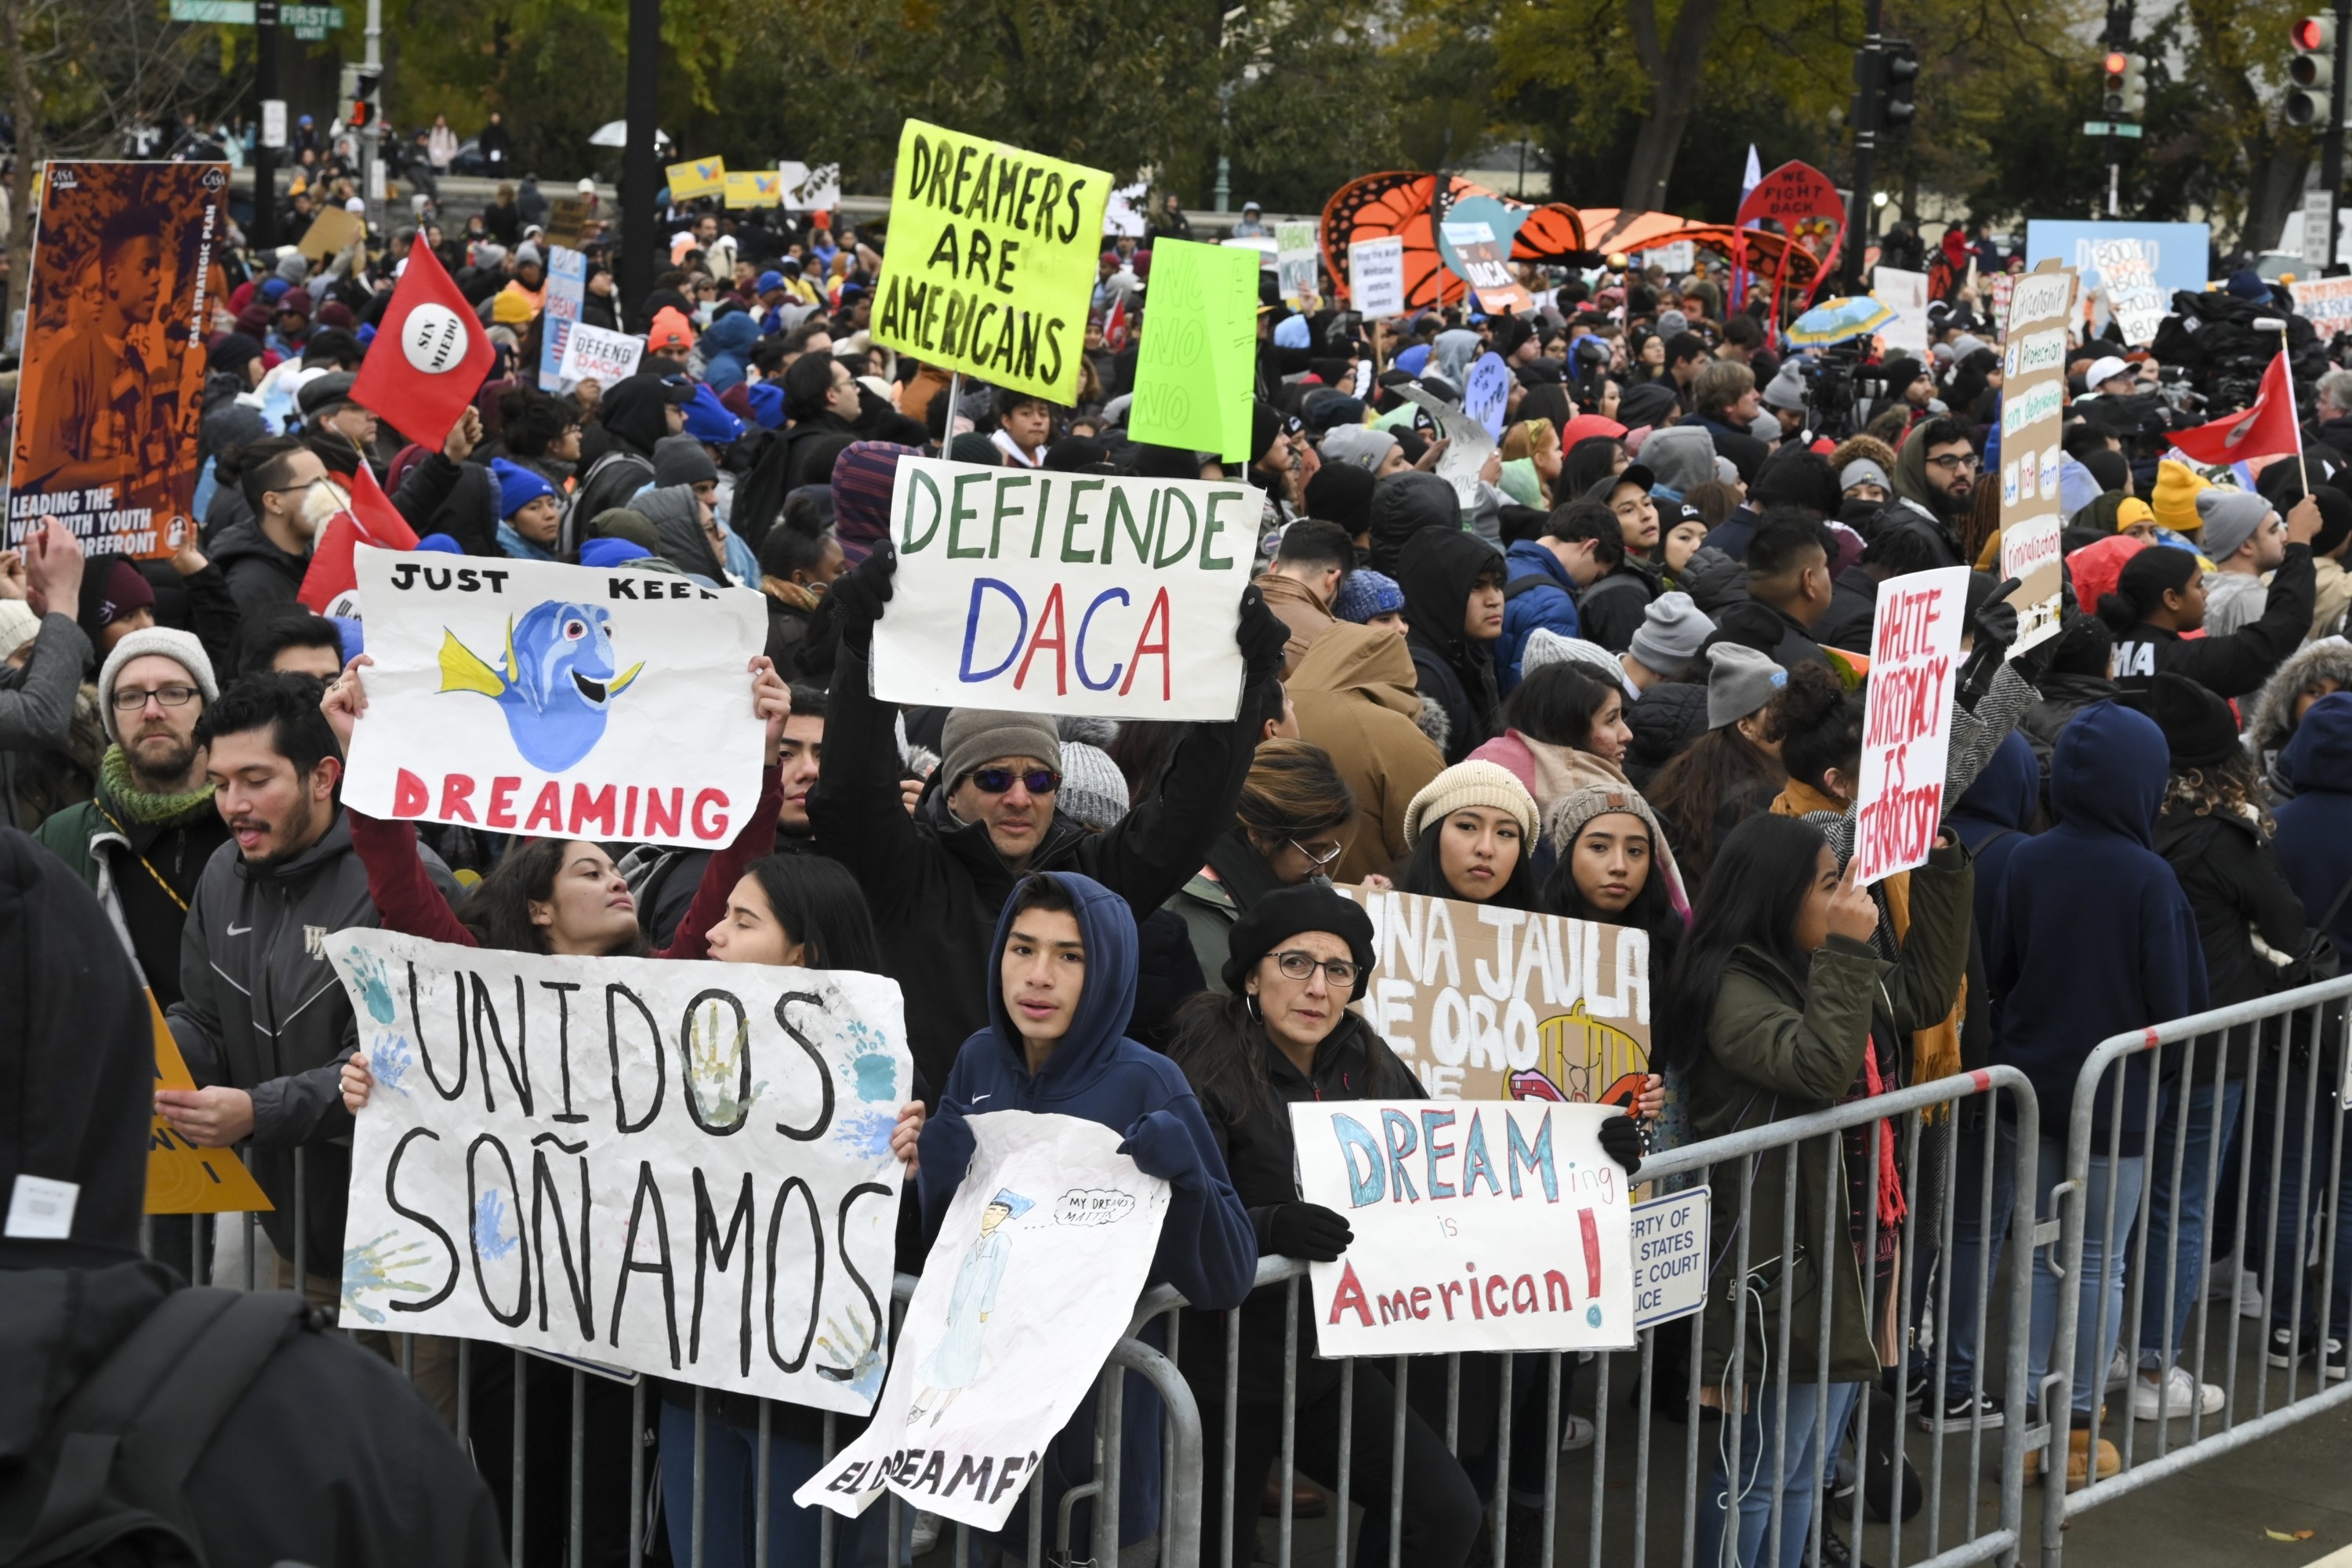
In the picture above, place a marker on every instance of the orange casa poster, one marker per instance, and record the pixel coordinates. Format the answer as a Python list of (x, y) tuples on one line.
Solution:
[(123, 262)]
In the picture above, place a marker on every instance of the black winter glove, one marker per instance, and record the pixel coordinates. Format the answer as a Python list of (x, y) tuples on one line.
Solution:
[(1996, 620), (858, 595), (1621, 1139), (1261, 636), (1309, 1231)]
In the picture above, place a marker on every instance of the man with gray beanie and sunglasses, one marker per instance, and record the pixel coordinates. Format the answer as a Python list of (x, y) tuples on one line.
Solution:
[(936, 880)]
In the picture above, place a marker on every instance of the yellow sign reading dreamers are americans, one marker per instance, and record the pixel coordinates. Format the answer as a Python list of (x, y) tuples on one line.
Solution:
[(991, 260)]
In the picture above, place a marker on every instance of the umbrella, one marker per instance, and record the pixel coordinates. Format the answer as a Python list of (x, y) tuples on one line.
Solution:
[(1834, 320), (615, 134)]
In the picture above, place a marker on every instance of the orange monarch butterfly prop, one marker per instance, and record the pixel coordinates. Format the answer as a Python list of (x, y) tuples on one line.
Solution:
[(1377, 206)]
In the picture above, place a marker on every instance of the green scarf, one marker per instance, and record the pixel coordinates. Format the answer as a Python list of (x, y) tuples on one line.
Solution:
[(126, 799)]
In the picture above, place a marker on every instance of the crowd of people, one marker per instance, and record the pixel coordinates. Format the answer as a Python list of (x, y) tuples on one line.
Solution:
[(1607, 679)]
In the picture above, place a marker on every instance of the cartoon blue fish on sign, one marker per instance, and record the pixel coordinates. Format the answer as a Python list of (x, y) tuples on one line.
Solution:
[(557, 683)]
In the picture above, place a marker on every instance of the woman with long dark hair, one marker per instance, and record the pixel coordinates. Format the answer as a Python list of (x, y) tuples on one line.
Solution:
[(1282, 1032), (1730, 773), (1778, 1007), (1452, 615), (1471, 830)]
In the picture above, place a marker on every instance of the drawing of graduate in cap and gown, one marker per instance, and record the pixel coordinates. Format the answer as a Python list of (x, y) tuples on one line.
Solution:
[(954, 1366)]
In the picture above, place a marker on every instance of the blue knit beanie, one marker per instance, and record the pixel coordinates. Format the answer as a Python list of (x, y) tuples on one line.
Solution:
[(518, 486), (1365, 593)]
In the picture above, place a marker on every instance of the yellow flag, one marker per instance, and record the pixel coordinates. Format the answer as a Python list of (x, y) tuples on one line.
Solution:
[(181, 1177)]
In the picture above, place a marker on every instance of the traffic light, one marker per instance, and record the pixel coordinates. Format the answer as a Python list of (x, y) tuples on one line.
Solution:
[(364, 109), (2312, 72), (2116, 71), (1901, 87), (2134, 87)]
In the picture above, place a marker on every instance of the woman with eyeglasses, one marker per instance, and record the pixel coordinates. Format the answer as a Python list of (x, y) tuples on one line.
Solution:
[(1280, 1032), (1472, 829), (1291, 825)]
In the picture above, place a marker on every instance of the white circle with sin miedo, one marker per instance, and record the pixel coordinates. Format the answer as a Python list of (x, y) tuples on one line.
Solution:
[(434, 339)]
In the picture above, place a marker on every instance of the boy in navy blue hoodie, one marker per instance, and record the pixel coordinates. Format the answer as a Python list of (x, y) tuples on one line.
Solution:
[(1061, 986)]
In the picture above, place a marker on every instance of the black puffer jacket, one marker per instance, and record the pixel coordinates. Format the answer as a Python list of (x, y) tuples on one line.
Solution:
[(1669, 717), (2238, 892)]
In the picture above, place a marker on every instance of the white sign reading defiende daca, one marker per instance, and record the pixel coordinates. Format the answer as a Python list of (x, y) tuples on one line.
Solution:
[(528, 697), (1479, 1227), (680, 1169), (1052, 593), (1031, 1282), (1906, 728), (1485, 1003)]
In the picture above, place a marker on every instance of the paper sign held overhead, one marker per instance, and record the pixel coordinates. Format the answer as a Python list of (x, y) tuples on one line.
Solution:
[(1487, 396), (528, 697), (2325, 302), (2033, 420), (754, 188), (567, 290), (681, 1169), (1468, 445), (592, 353), (1031, 1282), (1485, 266), (1480, 1225), (991, 260), (695, 178), (1905, 294), (1376, 276), (1046, 593), (123, 285), (1193, 372), (810, 189), (1907, 733), (331, 231), (1295, 259)]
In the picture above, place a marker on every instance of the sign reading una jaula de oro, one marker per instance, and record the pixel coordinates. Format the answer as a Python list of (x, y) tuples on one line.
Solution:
[(528, 697), (991, 260), (1479, 1227), (1051, 593), (680, 1169)]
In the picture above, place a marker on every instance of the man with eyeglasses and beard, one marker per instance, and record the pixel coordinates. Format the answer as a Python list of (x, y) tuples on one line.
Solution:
[(938, 879), (141, 842), (1935, 476)]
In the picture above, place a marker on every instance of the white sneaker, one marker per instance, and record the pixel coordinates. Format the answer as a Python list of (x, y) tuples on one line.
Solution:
[(927, 1533), (2250, 1293), (2178, 1395), (2119, 1368), (1575, 1432), (2219, 1278)]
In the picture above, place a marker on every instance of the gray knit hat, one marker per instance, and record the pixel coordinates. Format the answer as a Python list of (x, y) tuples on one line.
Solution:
[(1786, 389), (181, 647), (1572, 810), (972, 736), (1356, 446), (1093, 791), (1739, 680), (1681, 455), (1864, 471), (1671, 632), (2230, 518)]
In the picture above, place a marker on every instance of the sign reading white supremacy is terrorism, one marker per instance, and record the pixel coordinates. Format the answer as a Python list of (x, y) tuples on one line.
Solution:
[(528, 696), (1031, 1282), (1485, 1003), (1479, 1225), (1051, 593), (1906, 727), (681, 1169)]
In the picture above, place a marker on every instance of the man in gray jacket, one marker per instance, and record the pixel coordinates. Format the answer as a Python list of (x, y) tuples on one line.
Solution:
[(36, 702), (262, 1020)]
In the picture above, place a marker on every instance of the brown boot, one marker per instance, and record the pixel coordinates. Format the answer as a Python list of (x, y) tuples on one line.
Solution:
[(2078, 1465)]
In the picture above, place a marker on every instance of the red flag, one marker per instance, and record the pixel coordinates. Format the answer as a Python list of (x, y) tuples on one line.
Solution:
[(429, 356), (2268, 429), (1114, 325), (370, 518)]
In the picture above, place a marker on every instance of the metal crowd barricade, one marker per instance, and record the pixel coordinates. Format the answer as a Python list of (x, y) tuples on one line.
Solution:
[(2271, 1175), (1623, 1501)]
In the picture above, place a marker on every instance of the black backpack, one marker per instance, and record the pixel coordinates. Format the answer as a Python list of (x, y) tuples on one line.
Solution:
[(108, 1472)]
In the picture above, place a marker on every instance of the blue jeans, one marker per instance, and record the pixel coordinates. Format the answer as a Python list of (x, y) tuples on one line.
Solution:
[(2093, 1348), (1755, 1494), (2302, 1184), (1977, 1233), (730, 1458), (2162, 1310)]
